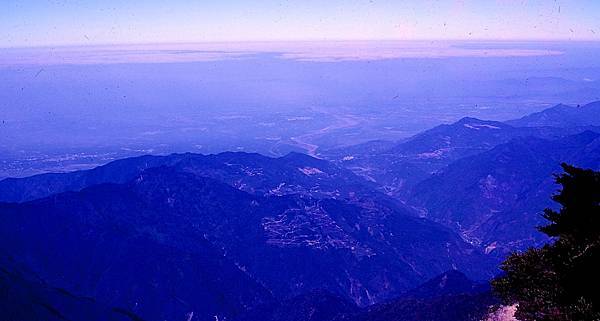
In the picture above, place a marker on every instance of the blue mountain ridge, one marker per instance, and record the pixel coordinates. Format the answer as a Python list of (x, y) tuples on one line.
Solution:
[(241, 236)]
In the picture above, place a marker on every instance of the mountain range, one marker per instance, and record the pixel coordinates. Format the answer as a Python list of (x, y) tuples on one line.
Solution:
[(377, 231), (562, 116), (397, 167), (487, 180), (503, 191), (219, 234)]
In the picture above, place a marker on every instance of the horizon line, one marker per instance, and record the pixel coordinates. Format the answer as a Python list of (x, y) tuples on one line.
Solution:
[(441, 40)]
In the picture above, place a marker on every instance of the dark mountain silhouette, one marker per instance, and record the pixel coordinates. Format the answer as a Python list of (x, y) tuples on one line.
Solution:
[(43, 185), (121, 245), (172, 242), (292, 174), (24, 296)]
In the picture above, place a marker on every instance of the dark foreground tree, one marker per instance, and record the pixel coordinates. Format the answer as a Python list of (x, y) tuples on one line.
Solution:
[(560, 281)]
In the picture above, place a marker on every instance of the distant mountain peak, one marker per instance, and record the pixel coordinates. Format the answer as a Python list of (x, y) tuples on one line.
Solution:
[(479, 124), (476, 121), (469, 120), (562, 115)]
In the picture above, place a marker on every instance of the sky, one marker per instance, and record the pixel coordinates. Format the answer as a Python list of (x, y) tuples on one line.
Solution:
[(31, 23)]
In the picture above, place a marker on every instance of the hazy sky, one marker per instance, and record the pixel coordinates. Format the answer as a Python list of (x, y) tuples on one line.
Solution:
[(55, 22)]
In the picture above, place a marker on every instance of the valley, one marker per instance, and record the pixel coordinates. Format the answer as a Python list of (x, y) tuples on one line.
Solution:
[(255, 234)]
